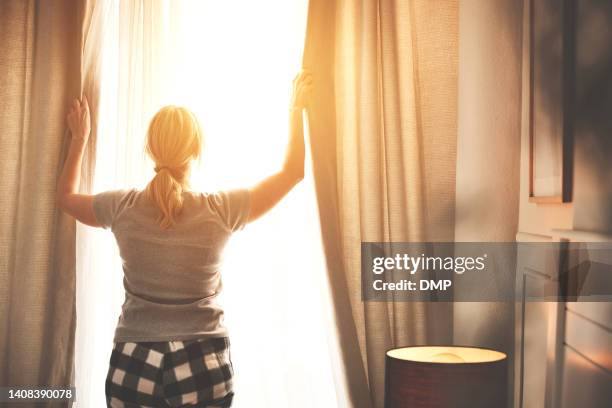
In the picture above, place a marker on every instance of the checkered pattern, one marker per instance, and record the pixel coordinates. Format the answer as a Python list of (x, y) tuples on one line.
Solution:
[(195, 373)]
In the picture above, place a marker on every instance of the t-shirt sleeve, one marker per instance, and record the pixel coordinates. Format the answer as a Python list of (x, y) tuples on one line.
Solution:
[(232, 207), (107, 205)]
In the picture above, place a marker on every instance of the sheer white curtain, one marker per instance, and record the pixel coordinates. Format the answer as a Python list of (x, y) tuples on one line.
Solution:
[(232, 63)]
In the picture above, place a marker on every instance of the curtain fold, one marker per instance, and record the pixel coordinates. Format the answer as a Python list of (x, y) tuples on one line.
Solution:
[(40, 75), (383, 134)]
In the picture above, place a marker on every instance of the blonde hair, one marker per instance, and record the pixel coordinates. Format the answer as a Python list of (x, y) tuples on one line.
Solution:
[(174, 139)]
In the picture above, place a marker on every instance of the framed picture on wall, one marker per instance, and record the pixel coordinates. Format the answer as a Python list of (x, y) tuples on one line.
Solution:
[(551, 31)]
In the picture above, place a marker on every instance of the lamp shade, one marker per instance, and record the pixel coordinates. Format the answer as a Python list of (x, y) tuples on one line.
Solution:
[(444, 377)]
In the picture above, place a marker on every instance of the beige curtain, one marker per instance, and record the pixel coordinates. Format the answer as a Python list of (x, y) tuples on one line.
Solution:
[(40, 73), (383, 131)]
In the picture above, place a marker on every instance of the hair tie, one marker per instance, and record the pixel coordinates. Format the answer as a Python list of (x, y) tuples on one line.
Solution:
[(160, 168)]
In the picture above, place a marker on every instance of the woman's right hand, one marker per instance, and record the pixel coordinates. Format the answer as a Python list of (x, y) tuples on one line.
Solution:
[(302, 87), (267, 193)]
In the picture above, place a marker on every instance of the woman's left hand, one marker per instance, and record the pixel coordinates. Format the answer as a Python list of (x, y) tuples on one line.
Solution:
[(79, 120)]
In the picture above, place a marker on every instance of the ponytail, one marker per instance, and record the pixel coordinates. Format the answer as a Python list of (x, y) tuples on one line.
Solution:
[(167, 195), (173, 140)]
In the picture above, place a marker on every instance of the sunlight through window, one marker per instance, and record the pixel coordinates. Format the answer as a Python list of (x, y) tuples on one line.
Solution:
[(232, 63)]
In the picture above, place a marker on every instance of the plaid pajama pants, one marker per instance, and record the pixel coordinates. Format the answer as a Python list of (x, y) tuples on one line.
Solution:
[(192, 373)]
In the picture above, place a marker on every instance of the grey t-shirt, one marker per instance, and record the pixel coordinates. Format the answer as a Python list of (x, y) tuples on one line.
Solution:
[(171, 276)]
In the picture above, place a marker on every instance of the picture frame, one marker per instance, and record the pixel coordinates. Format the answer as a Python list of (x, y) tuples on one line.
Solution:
[(552, 78)]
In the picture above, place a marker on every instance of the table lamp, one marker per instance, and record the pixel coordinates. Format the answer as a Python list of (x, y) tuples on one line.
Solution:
[(444, 377)]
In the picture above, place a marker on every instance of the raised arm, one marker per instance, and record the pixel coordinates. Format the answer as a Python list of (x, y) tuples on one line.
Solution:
[(271, 190), (80, 206)]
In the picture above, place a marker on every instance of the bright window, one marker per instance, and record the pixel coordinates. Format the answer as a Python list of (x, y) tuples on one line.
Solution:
[(232, 63)]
